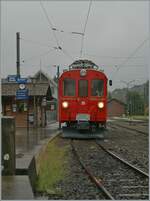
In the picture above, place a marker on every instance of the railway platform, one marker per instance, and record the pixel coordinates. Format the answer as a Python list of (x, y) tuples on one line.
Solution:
[(28, 144)]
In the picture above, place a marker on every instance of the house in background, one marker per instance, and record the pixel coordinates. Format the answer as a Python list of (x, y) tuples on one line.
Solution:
[(115, 108), (33, 111)]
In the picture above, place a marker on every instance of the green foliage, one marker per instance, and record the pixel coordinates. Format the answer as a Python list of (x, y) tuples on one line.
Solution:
[(55, 79), (135, 103), (52, 167), (109, 96)]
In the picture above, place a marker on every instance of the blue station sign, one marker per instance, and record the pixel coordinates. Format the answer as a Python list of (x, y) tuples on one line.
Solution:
[(22, 80), (22, 94), (12, 78)]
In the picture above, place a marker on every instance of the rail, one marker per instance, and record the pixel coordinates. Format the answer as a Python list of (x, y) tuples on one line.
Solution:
[(92, 177)]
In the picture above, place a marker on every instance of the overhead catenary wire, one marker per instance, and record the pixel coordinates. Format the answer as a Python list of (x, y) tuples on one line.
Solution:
[(50, 23), (68, 32), (36, 56), (84, 29), (53, 31), (121, 65), (35, 42), (113, 57)]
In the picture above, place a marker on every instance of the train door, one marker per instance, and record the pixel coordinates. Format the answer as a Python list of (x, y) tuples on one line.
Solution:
[(83, 99)]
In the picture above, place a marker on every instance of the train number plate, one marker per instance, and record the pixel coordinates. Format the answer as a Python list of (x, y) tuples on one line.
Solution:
[(83, 117)]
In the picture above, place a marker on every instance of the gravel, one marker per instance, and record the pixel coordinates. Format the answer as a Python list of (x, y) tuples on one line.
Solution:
[(77, 185), (113, 173), (129, 145)]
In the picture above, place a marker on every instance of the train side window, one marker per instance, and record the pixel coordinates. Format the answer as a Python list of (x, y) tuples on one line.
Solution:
[(97, 88), (69, 87), (83, 88)]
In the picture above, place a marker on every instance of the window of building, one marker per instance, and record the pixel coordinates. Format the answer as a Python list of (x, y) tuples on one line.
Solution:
[(83, 88), (69, 87), (97, 88)]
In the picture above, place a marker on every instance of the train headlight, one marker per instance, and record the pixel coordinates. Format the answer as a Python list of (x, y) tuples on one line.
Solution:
[(65, 104), (100, 105)]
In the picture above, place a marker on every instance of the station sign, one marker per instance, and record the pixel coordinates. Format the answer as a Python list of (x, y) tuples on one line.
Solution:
[(12, 78), (22, 80), (22, 94)]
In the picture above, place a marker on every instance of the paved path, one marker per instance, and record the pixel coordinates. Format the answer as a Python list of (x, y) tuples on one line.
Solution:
[(27, 145), (16, 188)]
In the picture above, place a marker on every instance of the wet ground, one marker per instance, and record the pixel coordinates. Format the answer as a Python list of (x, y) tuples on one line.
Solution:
[(130, 145), (28, 143), (19, 184), (26, 139)]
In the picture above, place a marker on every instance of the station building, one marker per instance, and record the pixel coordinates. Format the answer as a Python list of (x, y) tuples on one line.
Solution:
[(115, 108), (39, 108)]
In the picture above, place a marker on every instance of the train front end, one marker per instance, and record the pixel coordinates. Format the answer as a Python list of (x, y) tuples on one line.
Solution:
[(83, 101)]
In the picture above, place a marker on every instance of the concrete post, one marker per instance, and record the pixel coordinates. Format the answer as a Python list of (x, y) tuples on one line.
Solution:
[(8, 146)]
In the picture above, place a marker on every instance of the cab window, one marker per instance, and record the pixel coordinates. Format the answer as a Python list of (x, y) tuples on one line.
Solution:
[(97, 88), (69, 87), (83, 88)]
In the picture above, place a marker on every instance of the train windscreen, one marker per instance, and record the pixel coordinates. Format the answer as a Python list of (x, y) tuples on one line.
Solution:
[(97, 87), (83, 88), (69, 87)]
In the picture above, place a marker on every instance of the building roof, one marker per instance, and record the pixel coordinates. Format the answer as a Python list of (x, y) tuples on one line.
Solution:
[(39, 88), (116, 100), (44, 77)]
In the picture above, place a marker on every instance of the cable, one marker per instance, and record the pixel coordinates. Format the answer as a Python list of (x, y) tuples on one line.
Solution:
[(68, 32), (130, 56), (37, 56), (112, 57), (50, 23), (68, 55), (53, 31), (34, 42), (82, 39)]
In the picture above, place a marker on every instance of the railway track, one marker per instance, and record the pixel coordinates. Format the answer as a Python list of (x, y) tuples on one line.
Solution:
[(96, 181), (116, 178), (132, 129)]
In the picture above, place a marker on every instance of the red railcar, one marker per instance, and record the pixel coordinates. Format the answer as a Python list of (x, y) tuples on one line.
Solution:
[(83, 96)]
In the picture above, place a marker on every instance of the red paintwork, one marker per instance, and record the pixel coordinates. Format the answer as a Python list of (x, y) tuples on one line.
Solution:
[(75, 107)]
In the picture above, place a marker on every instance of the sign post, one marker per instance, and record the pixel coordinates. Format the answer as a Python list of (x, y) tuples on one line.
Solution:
[(22, 94)]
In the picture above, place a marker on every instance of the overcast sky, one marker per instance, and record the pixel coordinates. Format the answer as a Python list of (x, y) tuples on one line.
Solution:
[(115, 31)]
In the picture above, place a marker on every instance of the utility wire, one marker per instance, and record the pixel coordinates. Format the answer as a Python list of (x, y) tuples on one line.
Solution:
[(67, 54), (53, 31), (82, 39), (35, 42), (68, 32), (50, 23), (113, 57), (36, 56), (130, 56)]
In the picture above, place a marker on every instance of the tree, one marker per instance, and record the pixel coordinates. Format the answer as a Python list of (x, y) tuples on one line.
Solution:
[(55, 79), (109, 95), (135, 103)]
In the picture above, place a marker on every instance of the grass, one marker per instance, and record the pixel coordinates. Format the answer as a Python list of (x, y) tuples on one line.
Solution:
[(51, 167), (140, 117)]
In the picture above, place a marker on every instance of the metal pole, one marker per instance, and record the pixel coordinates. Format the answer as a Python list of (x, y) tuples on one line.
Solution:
[(58, 74), (27, 124), (34, 102), (34, 109), (18, 53)]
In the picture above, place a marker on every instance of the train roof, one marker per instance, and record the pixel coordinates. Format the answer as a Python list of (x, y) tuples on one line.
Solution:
[(83, 64)]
